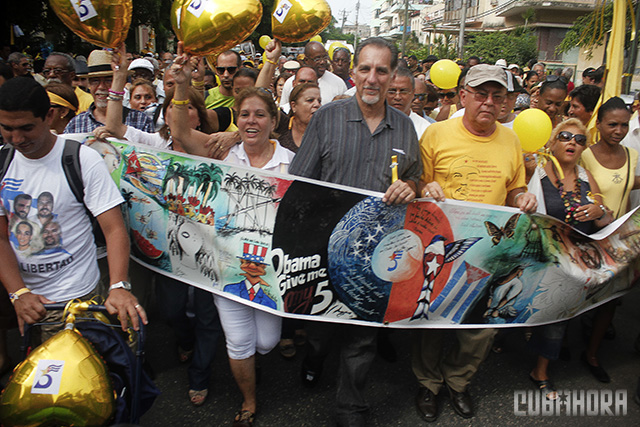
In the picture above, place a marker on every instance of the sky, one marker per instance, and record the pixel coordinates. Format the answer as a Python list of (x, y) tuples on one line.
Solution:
[(350, 6)]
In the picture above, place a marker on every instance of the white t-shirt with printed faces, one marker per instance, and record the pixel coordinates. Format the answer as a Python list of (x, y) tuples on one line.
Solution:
[(49, 231)]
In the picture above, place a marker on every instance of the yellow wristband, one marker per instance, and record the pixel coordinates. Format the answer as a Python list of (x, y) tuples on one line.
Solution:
[(197, 84), (269, 61), (185, 102), (14, 296)]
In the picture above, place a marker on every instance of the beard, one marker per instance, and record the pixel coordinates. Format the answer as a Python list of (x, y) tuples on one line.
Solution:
[(101, 103)]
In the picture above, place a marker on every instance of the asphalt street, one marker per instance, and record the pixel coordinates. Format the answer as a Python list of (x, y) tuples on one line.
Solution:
[(283, 401)]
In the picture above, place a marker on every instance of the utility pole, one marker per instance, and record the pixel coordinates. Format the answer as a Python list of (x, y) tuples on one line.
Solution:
[(344, 19), (404, 28), (463, 18), (355, 38)]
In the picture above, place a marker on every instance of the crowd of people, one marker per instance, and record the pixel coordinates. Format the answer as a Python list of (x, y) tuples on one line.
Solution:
[(336, 118)]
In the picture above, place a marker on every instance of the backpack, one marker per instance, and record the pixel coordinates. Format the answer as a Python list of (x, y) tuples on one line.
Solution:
[(73, 173)]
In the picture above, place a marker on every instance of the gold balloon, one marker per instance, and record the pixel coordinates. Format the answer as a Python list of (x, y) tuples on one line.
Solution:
[(213, 26), (102, 22), (84, 396), (298, 20)]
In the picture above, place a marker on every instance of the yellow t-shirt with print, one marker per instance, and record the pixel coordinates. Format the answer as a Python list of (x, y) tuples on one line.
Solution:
[(472, 168)]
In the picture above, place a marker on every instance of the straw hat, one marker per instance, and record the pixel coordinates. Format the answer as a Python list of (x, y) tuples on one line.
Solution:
[(99, 63)]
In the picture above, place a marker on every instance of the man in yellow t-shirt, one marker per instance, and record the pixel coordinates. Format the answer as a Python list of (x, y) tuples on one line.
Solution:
[(470, 158)]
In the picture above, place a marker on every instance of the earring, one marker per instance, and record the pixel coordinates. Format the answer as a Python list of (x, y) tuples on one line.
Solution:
[(62, 117)]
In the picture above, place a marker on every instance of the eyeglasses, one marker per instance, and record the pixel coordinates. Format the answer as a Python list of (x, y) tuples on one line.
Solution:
[(230, 70), (48, 71), (483, 96), (449, 95), (419, 96), (579, 138), (320, 59), (393, 91), (96, 81)]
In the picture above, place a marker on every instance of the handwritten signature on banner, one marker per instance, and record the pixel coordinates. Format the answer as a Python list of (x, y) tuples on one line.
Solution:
[(298, 247)]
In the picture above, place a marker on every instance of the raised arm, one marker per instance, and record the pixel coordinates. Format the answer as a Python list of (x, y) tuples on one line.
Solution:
[(193, 141), (119, 65), (272, 53)]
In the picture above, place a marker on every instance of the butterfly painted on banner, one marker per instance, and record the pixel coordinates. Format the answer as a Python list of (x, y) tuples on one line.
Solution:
[(498, 233)]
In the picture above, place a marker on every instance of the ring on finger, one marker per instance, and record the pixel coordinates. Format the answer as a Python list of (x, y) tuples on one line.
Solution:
[(137, 306)]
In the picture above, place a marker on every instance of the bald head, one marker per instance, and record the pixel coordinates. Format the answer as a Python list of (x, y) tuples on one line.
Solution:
[(315, 56), (305, 75)]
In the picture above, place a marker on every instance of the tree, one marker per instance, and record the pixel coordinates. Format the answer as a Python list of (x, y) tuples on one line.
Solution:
[(589, 30), (517, 46)]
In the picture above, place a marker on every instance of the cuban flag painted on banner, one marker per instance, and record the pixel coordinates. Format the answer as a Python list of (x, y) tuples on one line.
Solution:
[(459, 293)]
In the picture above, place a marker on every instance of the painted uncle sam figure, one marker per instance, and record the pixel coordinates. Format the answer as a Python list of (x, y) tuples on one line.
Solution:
[(253, 265)]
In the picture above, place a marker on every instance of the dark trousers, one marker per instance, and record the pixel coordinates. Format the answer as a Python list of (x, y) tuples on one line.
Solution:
[(200, 333), (357, 351)]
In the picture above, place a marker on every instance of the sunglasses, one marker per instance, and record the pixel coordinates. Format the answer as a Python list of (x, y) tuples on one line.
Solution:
[(420, 96), (565, 136), (230, 70), (449, 95)]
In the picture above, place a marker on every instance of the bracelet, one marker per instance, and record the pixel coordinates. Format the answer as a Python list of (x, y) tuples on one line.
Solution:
[(184, 102), (198, 84), (113, 92), (114, 98), (270, 61), (604, 212), (15, 296), (515, 199)]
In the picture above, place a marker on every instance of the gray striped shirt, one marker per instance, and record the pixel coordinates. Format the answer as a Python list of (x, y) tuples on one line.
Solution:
[(338, 147)]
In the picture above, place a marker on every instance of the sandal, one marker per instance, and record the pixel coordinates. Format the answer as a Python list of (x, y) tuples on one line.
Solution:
[(184, 355), (244, 418), (197, 397), (300, 338), (546, 386)]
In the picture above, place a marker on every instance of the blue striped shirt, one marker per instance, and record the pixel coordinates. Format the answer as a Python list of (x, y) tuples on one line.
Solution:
[(86, 122), (338, 147)]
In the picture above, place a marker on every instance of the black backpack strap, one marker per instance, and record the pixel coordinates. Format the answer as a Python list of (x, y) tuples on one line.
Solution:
[(72, 170), (6, 156)]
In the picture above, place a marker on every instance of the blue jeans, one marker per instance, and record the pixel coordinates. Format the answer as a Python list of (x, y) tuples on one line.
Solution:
[(200, 333)]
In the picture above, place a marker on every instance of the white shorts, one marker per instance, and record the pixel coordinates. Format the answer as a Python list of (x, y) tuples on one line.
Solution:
[(246, 329)]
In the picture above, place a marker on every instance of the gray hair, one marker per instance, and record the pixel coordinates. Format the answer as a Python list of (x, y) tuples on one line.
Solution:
[(403, 71), (71, 63), (15, 57)]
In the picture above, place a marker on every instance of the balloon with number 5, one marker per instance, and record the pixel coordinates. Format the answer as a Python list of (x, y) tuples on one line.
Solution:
[(212, 26), (299, 20), (104, 23)]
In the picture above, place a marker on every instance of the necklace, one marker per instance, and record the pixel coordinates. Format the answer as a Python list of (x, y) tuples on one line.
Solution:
[(570, 199)]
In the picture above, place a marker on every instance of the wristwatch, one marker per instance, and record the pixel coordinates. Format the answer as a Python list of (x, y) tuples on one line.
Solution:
[(121, 285)]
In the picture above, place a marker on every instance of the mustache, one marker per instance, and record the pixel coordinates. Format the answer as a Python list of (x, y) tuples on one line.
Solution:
[(102, 92)]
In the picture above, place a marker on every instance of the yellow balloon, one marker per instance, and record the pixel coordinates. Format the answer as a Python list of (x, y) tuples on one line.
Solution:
[(333, 46), (264, 41), (62, 382), (212, 26), (102, 22), (316, 38), (533, 128), (445, 73), (298, 20)]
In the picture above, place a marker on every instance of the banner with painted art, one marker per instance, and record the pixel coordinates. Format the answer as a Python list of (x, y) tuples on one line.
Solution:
[(319, 251)]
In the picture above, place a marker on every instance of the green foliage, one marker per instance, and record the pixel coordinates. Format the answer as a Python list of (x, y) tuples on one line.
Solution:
[(589, 31), (517, 46), (443, 47)]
